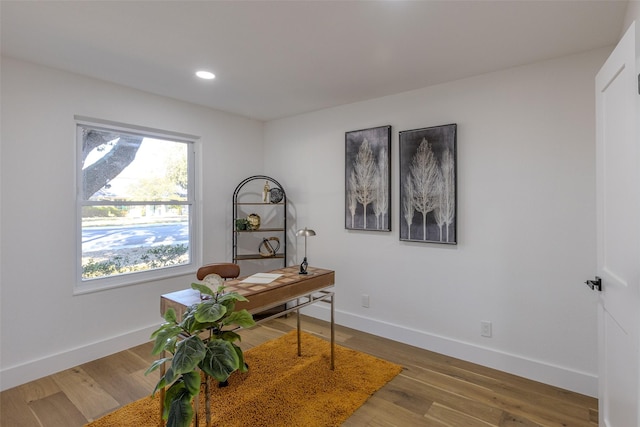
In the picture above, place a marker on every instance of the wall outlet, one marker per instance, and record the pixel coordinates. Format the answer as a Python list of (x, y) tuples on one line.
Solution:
[(365, 300), (485, 328)]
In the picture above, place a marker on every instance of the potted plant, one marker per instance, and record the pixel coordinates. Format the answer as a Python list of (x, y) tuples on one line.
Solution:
[(242, 224), (198, 343)]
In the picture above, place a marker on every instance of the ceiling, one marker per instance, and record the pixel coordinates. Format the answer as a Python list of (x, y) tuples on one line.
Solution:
[(276, 59)]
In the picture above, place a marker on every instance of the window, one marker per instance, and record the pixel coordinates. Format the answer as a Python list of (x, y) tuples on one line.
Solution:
[(135, 204)]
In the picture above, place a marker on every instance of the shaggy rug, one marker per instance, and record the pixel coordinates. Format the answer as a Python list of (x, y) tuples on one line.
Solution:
[(281, 389)]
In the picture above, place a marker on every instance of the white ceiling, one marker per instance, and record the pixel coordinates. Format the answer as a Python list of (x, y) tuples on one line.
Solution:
[(277, 59)]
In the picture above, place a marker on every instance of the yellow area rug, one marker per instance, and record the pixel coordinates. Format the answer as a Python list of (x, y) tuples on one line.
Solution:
[(281, 389)]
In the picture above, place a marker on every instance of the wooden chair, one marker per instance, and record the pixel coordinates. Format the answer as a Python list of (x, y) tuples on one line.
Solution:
[(226, 270)]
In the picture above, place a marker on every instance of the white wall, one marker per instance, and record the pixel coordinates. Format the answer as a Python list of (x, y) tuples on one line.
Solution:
[(44, 328), (526, 197), (525, 218), (632, 14)]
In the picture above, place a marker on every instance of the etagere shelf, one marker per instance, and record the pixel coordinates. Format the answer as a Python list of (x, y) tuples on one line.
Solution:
[(263, 196)]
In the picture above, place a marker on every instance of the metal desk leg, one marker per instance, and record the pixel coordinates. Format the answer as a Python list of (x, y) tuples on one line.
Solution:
[(298, 326), (163, 370), (196, 409), (333, 333)]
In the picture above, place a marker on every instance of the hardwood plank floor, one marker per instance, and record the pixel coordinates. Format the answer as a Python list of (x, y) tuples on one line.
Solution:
[(432, 390)]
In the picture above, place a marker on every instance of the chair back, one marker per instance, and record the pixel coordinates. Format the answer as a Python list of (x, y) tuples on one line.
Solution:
[(226, 270)]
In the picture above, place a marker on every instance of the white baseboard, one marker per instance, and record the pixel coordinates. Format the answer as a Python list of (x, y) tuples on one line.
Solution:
[(19, 374), (565, 378), (568, 379)]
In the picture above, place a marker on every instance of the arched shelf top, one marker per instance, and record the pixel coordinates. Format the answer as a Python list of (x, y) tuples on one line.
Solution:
[(245, 181)]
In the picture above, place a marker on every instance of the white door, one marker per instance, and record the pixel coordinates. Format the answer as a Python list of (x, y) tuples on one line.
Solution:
[(618, 229)]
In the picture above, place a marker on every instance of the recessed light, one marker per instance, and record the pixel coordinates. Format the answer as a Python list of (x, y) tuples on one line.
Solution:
[(205, 75)]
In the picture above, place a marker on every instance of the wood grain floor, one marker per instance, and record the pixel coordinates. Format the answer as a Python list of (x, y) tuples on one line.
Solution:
[(432, 390)]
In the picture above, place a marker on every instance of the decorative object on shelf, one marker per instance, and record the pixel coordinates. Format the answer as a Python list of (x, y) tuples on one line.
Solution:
[(368, 179), (428, 184), (265, 192), (306, 233), (276, 195), (253, 221), (242, 224), (267, 248)]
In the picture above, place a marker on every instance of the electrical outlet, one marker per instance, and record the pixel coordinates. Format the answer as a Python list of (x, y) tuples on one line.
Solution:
[(365, 300), (485, 328)]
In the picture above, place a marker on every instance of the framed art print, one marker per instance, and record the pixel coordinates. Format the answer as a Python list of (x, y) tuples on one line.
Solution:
[(368, 179), (428, 184)]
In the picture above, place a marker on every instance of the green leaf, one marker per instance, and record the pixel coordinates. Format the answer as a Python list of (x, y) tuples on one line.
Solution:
[(210, 311), (157, 331), (177, 406), (165, 338), (170, 375), (155, 365), (230, 305), (170, 315), (162, 327), (162, 383), (175, 392), (232, 296), (192, 382), (190, 324), (204, 289), (180, 412), (241, 366), (189, 353), (221, 359), (171, 320), (190, 309), (230, 336), (241, 318)]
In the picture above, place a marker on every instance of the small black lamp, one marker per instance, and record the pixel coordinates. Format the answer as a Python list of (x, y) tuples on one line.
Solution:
[(306, 233)]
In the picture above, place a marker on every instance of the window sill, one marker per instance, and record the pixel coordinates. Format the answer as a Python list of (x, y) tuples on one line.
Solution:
[(132, 279)]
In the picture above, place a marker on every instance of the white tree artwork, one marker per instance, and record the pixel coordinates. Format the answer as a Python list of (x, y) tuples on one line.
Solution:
[(367, 179), (428, 184), (407, 205)]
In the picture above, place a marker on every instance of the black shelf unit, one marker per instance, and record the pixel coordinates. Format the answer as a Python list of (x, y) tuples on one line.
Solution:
[(248, 194)]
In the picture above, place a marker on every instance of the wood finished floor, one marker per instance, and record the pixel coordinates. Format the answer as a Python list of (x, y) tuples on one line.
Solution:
[(432, 390)]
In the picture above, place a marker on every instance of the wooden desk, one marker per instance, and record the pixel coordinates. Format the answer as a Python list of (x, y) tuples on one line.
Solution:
[(289, 286), (304, 289), (299, 289)]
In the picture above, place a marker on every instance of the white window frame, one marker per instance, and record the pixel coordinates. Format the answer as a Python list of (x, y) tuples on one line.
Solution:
[(195, 248)]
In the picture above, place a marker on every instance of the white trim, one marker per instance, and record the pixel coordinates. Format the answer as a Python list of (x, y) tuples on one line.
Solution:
[(13, 376), (129, 279), (128, 128), (580, 382), (568, 379), (193, 204)]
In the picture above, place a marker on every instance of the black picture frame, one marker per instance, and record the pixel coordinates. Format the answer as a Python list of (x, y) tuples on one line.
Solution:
[(368, 179), (428, 188)]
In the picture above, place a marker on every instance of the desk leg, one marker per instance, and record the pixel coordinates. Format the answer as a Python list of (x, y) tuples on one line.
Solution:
[(196, 409), (163, 370), (298, 327), (333, 333), (207, 400)]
